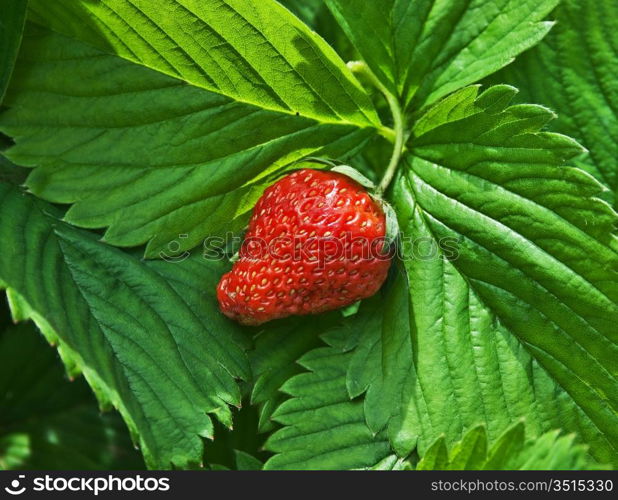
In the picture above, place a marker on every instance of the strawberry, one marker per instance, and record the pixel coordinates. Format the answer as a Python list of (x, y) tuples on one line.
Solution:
[(315, 242)]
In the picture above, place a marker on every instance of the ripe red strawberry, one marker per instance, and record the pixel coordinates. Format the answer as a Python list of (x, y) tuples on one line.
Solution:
[(315, 242)]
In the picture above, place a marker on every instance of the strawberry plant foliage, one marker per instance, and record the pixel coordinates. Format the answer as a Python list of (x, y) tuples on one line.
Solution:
[(161, 355), (156, 120), (577, 62), (14, 17), (323, 429), (175, 143), (425, 49), (48, 421), (273, 359), (511, 451), (532, 285)]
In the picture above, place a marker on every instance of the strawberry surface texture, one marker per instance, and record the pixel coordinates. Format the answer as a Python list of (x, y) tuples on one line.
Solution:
[(315, 242)]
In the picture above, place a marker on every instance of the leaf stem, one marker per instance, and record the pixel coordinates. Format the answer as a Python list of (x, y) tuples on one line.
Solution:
[(361, 68), (399, 143)]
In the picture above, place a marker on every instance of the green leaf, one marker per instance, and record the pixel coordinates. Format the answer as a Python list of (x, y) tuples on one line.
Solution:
[(423, 50), (530, 249), (148, 337), (323, 428), (11, 28), (572, 72), (48, 422), (472, 449), (273, 359), (436, 457), (511, 451), (506, 304), (10, 173), (254, 52), (458, 367), (170, 134), (391, 463), (480, 137), (244, 461)]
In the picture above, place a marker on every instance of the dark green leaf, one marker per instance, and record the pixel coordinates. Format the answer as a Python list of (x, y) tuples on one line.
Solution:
[(48, 422), (244, 461), (148, 338), (12, 20)]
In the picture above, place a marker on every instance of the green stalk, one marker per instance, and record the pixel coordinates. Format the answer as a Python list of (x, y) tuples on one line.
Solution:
[(359, 67)]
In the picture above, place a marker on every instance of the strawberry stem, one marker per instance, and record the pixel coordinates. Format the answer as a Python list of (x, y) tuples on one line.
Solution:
[(361, 68), (397, 148)]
